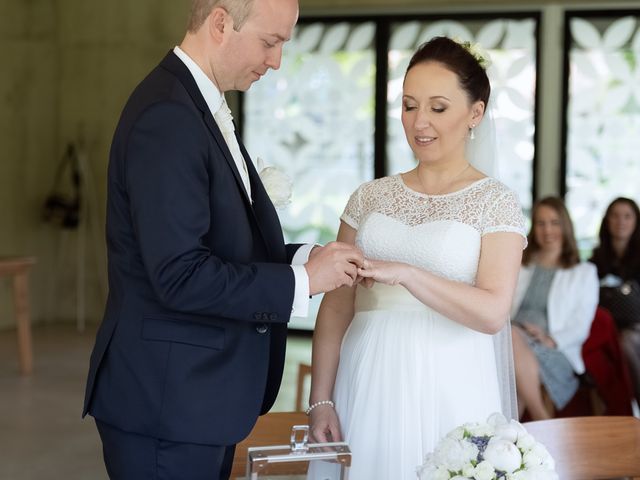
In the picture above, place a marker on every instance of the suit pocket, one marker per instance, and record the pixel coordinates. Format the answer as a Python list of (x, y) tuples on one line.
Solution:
[(167, 329)]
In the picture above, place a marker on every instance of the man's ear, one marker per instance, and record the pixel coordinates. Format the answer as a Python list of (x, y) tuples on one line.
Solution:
[(217, 23)]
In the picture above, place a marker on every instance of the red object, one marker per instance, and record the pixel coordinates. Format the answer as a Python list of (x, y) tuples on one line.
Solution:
[(606, 365)]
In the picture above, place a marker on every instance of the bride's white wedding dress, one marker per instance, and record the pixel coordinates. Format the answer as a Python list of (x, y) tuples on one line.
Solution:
[(407, 374)]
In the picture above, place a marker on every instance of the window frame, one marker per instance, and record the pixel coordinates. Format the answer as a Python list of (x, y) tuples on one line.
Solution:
[(383, 24)]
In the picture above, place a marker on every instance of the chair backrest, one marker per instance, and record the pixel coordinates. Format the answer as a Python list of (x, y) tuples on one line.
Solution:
[(303, 386), (271, 429), (591, 447)]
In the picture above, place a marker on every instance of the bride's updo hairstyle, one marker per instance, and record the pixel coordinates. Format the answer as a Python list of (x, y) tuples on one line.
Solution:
[(458, 59)]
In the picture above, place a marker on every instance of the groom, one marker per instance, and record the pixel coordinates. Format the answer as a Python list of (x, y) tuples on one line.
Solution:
[(201, 285)]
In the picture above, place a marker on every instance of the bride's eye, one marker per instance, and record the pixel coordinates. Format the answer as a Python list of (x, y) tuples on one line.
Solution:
[(438, 109), (408, 108)]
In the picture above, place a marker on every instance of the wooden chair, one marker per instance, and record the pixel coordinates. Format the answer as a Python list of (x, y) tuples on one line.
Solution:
[(18, 269), (271, 429), (591, 448), (304, 372), (605, 388)]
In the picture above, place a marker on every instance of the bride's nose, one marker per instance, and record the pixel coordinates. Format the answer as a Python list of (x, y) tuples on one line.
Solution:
[(422, 120)]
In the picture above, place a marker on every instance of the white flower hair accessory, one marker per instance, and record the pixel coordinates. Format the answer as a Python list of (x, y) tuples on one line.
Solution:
[(277, 184), (479, 53)]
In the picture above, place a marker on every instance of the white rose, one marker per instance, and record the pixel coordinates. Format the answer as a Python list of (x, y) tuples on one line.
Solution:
[(497, 419), (481, 430), (277, 184), (503, 455), (525, 442), (441, 473), (455, 454), (519, 475), (456, 433), (507, 432), (484, 471), (539, 473), (460, 477), (427, 471), (518, 426), (538, 456), (531, 459), (469, 471)]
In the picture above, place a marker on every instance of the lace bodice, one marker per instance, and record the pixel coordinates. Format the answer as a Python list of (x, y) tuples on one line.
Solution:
[(441, 233)]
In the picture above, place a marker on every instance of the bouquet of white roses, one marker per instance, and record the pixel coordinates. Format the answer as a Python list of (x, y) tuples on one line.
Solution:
[(496, 450)]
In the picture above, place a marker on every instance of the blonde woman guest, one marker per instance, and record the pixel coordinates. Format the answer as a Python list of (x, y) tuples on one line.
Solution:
[(554, 305)]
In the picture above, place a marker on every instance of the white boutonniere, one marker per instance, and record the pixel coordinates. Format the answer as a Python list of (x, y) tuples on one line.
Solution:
[(277, 184)]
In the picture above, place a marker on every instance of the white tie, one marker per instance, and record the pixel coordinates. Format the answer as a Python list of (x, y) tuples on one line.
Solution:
[(225, 122)]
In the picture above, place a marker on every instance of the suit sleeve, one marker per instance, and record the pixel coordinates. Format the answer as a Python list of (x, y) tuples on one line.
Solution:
[(167, 181), (292, 248)]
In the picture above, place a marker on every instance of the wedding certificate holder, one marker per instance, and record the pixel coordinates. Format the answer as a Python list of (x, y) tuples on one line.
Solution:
[(292, 461)]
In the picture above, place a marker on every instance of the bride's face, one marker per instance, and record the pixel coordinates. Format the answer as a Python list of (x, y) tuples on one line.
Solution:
[(437, 113)]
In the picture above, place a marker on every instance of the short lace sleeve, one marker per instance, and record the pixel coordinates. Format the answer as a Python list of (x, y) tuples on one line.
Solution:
[(504, 214), (353, 211)]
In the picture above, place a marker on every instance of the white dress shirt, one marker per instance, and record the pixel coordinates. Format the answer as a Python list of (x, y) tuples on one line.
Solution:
[(222, 115)]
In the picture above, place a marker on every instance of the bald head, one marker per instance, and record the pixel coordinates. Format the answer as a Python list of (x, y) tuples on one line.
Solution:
[(239, 10)]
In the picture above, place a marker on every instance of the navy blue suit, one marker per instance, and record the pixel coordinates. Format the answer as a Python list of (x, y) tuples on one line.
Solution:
[(191, 347)]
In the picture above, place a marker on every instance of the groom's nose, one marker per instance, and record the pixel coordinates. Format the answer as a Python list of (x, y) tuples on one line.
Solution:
[(274, 57)]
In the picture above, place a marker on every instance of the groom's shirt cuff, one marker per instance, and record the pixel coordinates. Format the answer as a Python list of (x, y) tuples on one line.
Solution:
[(300, 307)]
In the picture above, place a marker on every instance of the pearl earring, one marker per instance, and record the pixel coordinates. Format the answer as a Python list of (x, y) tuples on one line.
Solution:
[(472, 134)]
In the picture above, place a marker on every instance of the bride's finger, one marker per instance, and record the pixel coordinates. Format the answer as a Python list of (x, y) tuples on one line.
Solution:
[(365, 273)]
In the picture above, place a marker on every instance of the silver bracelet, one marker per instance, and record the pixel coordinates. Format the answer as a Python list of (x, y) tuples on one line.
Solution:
[(317, 404)]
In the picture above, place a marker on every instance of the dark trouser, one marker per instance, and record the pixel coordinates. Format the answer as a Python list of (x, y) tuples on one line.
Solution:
[(129, 456)]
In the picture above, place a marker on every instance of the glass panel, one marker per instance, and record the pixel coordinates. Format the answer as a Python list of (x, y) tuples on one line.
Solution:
[(314, 119), (512, 47), (603, 119)]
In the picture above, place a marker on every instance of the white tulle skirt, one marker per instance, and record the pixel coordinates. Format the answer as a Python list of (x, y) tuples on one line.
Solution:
[(407, 376)]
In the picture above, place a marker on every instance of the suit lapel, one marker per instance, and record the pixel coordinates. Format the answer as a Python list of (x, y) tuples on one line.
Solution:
[(172, 63), (262, 209), (266, 215)]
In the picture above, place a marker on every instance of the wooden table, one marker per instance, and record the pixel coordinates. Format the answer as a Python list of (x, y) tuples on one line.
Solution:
[(18, 268)]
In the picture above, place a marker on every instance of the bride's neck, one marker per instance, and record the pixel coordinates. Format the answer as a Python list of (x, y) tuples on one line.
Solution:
[(440, 177)]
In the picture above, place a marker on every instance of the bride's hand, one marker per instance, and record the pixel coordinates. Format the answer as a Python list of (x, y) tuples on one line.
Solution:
[(389, 273), (324, 425)]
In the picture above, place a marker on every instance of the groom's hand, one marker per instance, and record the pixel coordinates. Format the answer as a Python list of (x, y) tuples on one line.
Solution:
[(333, 266)]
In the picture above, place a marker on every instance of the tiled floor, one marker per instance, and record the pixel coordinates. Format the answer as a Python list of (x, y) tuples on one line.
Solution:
[(42, 436)]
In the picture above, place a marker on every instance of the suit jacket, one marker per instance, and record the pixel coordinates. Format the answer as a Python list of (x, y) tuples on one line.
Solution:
[(191, 347)]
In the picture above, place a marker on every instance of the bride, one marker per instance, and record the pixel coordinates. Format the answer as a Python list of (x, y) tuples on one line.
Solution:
[(422, 345)]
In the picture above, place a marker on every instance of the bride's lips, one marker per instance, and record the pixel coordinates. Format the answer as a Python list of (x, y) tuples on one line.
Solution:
[(424, 140)]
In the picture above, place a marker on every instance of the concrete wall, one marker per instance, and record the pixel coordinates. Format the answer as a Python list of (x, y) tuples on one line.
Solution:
[(66, 69), (28, 131)]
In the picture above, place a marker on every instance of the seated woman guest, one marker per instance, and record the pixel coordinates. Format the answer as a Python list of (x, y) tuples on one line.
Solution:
[(554, 305), (618, 261)]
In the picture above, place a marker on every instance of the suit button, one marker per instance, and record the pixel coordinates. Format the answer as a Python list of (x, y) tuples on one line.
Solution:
[(262, 328), (265, 316), (273, 316), (257, 316)]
